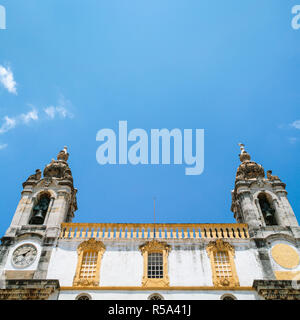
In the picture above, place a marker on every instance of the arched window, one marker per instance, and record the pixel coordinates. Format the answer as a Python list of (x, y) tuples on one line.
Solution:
[(83, 296), (228, 297), (155, 296), (88, 266), (40, 210), (267, 210)]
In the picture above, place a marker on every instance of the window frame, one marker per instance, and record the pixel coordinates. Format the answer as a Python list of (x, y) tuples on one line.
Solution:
[(87, 247), (220, 246), (155, 295), (228, 295), (83, 295), (157, 261), (155, 246)]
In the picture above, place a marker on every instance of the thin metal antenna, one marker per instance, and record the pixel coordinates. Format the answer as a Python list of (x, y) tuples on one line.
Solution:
[(154, 215), (154, 208)]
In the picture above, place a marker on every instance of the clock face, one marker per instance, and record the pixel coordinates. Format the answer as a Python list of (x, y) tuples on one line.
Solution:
[(24, 255)]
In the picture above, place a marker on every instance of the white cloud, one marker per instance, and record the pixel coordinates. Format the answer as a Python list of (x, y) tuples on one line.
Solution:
[(60, 110), (50, 111), (293, 140), (31, 115), (63, 112), (296, 124), (3, 146), (7, 80), (11, 123)]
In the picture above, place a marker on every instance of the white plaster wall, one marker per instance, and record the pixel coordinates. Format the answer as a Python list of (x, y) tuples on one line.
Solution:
[(247, 265), (167, 295), (122, 265), (189, 265), (63, 262)]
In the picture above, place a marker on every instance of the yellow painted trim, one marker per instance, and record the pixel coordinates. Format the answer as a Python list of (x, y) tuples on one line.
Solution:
[(152, 247), (127, 288), (172, 231), (89, 246), (156, 225), (287, 275), (212, 248), (286, 256)]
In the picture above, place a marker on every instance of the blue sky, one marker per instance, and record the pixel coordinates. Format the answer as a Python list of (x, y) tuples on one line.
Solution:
[(71, 68)]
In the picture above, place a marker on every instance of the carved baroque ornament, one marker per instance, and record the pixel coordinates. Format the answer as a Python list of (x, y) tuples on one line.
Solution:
[(86, 247), (220, 246), (155, 246)]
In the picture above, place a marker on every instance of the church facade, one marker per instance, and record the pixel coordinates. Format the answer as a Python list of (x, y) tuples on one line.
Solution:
[(43, 255)]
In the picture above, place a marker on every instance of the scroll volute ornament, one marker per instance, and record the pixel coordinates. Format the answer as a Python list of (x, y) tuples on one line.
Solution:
[(87, 246), (91, 245), (154, 246), (211, 249)]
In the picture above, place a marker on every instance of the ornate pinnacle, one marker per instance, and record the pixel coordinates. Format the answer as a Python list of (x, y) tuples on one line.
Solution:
[(242, 147), (63, 154), (244, 155)]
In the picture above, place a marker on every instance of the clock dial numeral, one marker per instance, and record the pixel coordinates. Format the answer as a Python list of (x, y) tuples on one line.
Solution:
[(24, 256)]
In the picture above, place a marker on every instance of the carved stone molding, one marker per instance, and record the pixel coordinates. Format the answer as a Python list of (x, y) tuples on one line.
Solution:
[(152, 247), (89, 246), (278, 289), (29, 289), (221, 246)]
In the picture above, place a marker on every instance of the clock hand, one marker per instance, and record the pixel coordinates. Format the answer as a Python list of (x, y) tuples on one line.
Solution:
[(24, 254)]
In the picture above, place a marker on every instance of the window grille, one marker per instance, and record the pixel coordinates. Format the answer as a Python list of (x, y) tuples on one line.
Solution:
[(89, 264), (222, 264), (155, 265)]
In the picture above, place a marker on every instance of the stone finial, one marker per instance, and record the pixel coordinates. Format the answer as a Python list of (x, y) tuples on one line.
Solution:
[(244, 155), (63, 154), (248, 169), (271, 177), (38, 174)]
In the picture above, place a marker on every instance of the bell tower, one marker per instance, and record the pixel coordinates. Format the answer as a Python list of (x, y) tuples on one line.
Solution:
[(46, 201), (257, 200)]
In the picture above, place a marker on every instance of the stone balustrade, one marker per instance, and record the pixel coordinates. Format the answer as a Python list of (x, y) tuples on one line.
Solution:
[(153, 231)]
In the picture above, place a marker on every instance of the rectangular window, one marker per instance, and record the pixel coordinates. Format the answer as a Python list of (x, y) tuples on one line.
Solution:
[(222, 264), (155, 265), (88, 266)]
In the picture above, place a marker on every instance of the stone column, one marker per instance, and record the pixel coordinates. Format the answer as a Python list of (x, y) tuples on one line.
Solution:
[(248, 210), (288, 211)]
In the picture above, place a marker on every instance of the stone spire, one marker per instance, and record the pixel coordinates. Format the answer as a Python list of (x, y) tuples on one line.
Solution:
[(248, 169), (59, 168), (257, 200), (48, 199)]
